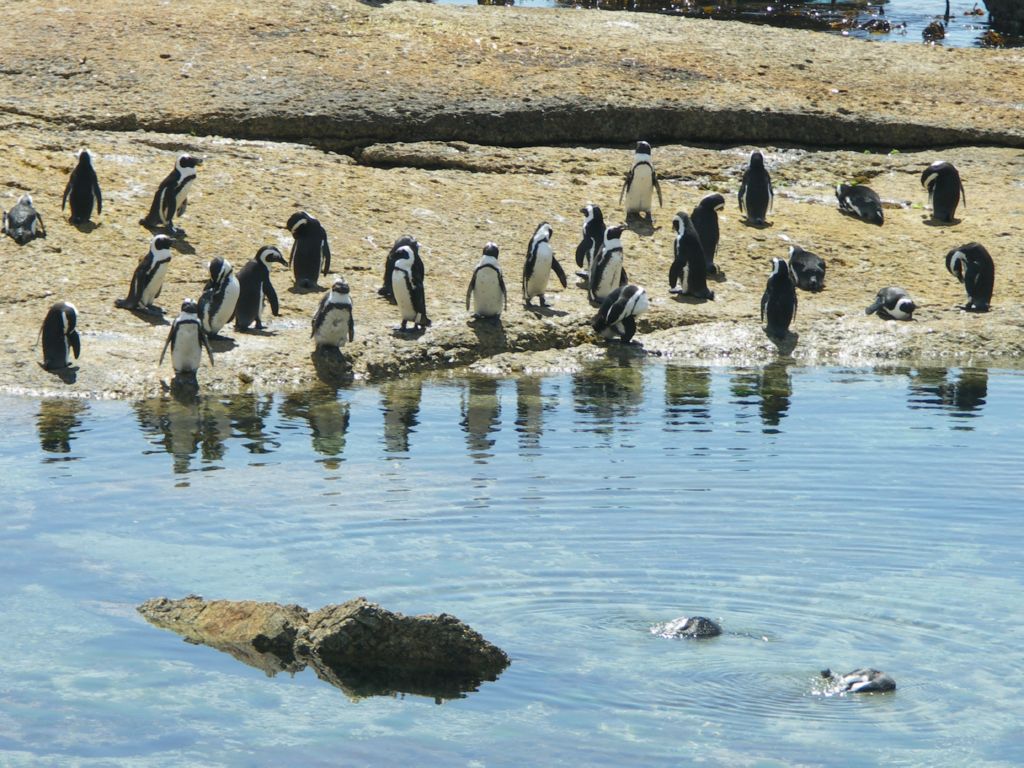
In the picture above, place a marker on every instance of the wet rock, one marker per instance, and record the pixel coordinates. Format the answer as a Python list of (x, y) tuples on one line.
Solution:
[(687, 626), (863, 680), (1007, 15)]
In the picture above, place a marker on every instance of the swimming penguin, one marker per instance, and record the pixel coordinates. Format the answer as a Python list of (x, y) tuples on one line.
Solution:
[(705, 221), (860, 201), (333, 324), (84, 190), (148, 278), (187, 341), (253, 286), (779, 300), (689, 267), (407, 289), (618, 313), (756, 194), (641, 183), (593, 238), (487, 286), (310, 255), (606, 270), (942, 180), (892, 303), (389, 265), (687, 627), (808, 268), (171, 196), (220, 297), (973, 267), (863, 680), (540, 263), (60, 338), (23, 222)]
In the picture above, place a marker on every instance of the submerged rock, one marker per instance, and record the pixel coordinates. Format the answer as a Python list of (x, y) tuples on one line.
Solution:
[(687, 626), (863, 680)]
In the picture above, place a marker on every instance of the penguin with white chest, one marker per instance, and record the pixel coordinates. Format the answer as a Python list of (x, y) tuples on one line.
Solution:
[(705, 221), (389, 265), (892, 303), (187, 341), (778, 303), (756, 194), (808, 269), (487, 286), (641, 183), (618, 313), (220, 297), (60, 336), (606, 270), (689, 266), (408, 289), (973, 266), (540, 263), (148, 278), (83, 190), (171, 197), (593, 237), (942, 180), (254, 286), (23, 222), (310, 255), (861, 202), (333, 324)]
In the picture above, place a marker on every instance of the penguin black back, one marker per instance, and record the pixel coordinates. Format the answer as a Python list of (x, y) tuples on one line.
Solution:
[(756, 194), (83, 190), (171, 197), (310, 254), (593, 236), (778, 304), (973, 266), (705, 221), (860, 201), (689, 266), (254, 285), (60, 336), (23, 222), (942, 180)]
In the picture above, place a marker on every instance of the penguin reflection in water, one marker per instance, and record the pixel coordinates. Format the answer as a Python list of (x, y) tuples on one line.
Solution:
[(778, 303), (148, 278), (187, 341), (60, 336), (487, 286), (171, 197)]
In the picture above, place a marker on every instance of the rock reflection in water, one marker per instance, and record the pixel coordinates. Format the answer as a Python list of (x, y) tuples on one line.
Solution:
[(611, 390), (481, 416), (770, 388), (960, 392), (687, 398), (58, 421), (400, 402), (327, 416)]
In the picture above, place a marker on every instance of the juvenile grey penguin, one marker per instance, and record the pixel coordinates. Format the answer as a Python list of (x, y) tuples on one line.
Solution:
[(171, 197), (487, 286), (592, 240), (779, 301), (389, 265), (863, 680), (540, 263), (756, 194), (641, 183), (83, 189), (60, 336), (860, 201), (333, 324), (892, 303), (705, 221), (310, 255), (187, 341), (606, 270), (254, 286), (220, 297), (942, 180), (23, 222), (689, 266), (408, 289), (808, 268), (973, 266), (148, 278), (618, 313)]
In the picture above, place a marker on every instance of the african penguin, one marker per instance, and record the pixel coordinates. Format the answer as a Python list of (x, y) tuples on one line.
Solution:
[(705, 221), (606, 270), (23, 222), (618, 313), (487, 286), (942, 180), (860, 201), (689, 267), (83, 189), (171, 197), (779, 300), (756, 194), (253, 286), (408, 290), (892, 303), (310, 255), (187, 341), (389, 265), (973, 267), (148, 278), (808, 268), (220, 297), (60, 337), (641, 183), (593, 238), (540, 263), (333, 324), (864, 680)]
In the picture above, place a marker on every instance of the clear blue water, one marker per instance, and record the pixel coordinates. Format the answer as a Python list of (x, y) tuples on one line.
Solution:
[(825, 517)]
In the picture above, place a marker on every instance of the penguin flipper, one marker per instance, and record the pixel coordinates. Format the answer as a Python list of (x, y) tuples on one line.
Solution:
[(673, 273), (76, 343), (559, 272), (99, 196), (504, 293), (629, 324), (963, 194), (875, 306), (167, 343), (581, 251), (205, 341), (325, 254), (622, 277), (351, 327), (67, 190), (626, 185), (764, 304), (291, 253), (657, 188), (271, 294), (743, 189), (469, 291)]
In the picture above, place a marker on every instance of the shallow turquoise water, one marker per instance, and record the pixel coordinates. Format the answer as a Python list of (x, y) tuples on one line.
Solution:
[(825, 517)]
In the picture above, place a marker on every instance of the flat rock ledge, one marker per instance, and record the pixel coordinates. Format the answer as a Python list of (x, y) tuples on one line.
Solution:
[(357, 646)]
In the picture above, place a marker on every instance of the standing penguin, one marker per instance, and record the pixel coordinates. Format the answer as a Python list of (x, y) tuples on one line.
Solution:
[(689, 267), (892, 303), (860, 201), (618, 313), (407, 289), (606, 270), (942, 180), (84, 190), (779, 300), (705, 221), (389, 265), (23, 222), (148, 278), (220, 297), (333, 324), (171, 196), (187, 341), (487, 286), (540, 262), (60, 337), (253, 286), (756, 194), (593, 237), (641, 183), (310, 255), (808, 269), (973, 266)]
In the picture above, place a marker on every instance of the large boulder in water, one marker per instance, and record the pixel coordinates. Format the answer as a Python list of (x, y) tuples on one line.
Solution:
[(1007, 15)]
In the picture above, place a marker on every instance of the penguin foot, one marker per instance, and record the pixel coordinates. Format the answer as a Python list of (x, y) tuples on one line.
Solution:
[(152, 309)]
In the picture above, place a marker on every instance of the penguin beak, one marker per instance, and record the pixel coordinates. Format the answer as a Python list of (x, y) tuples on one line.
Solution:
[(199, 161)]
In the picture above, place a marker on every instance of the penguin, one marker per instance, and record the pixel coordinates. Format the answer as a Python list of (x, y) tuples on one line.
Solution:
[(606, 270), (688, 627), (689, 267), (171, 196), (705, 221), (861, 202), (220, 297), (808, 269), (487, 286), (84, 190), (148, 278), (23, 222), (389, 265), (863, 680), (60, 337), (973, 267), (942, 180), (618, 313), (310, 254), (333, 324), (892, 303), (756, 194), (253, 286), (187, 341), (540, 263), (593, 238), (407, 289), (641, 183), (779, 299)]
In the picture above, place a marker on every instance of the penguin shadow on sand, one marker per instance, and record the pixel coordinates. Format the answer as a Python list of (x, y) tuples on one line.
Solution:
[(546, 310), (68, 374), (86, 227), (153, 317), (332, 366), (641, 226), (754, 224), (687, 298), (930, 221), (300, 290), (220, 343), (182, 246), (490, 333), (785, 344)]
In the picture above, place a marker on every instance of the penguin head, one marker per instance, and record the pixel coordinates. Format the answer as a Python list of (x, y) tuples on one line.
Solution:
[(614, 233), (638, 297), (932, 173), (956, 263), (189, 307), (714, 202), (491, 250), (780, 267), (340, 287), (407, 240), (906, 305), (25, 199), (84, 158), (681, 222), (269, 253), (160, 244), (404, 256), (756, 159), (187, 162), (298, 220), (541, 235), (220, 269), (643, 148)]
